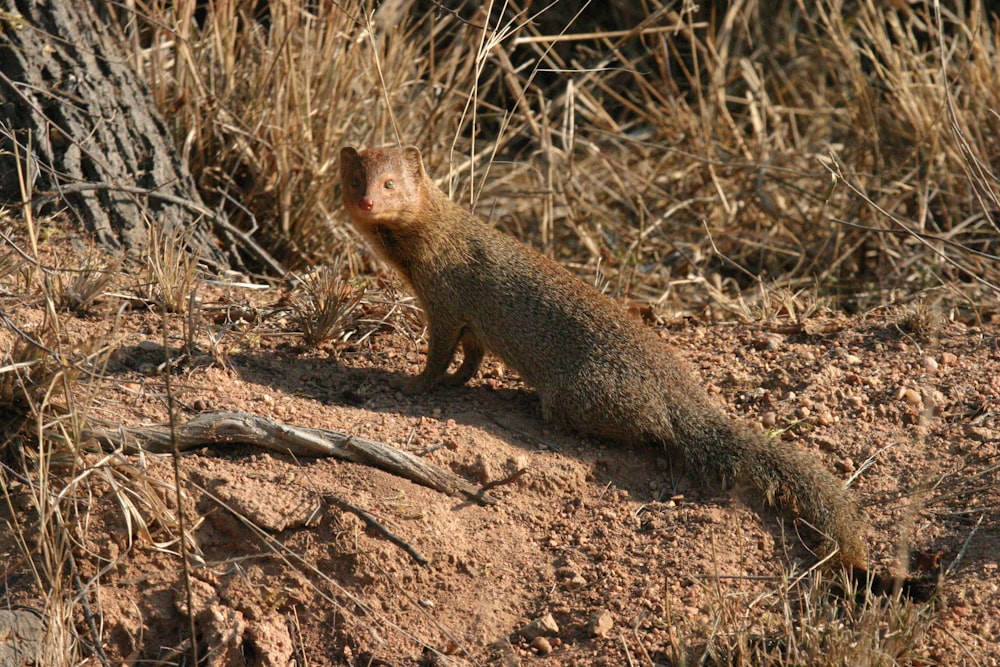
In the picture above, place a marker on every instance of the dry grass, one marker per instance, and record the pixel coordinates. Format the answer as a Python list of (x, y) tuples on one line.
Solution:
[(676, 147), (799, 623), (763, 160), (324, 305), (170, 272)]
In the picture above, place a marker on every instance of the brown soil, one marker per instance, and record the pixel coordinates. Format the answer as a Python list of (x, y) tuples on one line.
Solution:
[(636, 562)]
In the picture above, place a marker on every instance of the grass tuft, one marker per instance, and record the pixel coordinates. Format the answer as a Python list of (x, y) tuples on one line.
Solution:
[(324, 305), (171, 270)]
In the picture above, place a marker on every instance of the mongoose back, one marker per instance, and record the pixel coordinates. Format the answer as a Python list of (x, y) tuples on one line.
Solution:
[(596, 369)]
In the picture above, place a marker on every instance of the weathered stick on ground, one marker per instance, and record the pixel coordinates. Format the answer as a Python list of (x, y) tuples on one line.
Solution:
[(230, 428)]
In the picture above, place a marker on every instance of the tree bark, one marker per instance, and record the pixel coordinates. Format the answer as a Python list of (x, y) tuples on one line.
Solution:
[(82, 125)]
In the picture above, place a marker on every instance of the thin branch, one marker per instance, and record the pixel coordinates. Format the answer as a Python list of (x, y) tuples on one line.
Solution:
[(371, 523)]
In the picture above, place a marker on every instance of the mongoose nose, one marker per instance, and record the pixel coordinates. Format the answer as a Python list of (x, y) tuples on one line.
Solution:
[(366, 204)]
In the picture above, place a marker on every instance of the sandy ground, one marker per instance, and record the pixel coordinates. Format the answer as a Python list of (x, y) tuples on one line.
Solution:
[(634, 561)]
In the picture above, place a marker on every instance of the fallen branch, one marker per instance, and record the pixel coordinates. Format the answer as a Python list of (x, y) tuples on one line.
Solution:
[(372, 524), (230, 428)]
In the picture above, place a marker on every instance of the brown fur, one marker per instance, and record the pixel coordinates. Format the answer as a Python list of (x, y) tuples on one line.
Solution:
[(595, 368)]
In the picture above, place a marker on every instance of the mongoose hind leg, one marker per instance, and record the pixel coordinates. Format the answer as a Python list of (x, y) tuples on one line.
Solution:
[(472, 351)]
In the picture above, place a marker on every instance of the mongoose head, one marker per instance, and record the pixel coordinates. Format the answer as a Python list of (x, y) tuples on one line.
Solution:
[(382, 185)]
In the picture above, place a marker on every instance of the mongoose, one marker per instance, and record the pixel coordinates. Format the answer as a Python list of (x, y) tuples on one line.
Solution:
[(596, 369)]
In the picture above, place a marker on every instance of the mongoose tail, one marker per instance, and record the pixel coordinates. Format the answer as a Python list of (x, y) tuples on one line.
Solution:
[(781, 474), (595, 368)]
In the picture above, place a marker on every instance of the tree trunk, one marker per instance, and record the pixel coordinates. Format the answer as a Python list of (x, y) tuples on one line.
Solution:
[(87, 136)]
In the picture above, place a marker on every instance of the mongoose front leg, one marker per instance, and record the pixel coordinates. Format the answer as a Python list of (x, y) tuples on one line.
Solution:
[(442, 341)]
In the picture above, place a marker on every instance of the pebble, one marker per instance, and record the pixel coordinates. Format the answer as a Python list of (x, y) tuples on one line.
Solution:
[(769, 343), (149, 346), (846, 465), (600, 623), (21, 631), (769, 419), (929, 363), (824, 418), (911, 396), (543, 626), (948, 359), (825, 442), (852, 359), (542, 645)]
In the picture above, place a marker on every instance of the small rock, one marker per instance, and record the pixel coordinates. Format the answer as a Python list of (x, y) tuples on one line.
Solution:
[(929, 363), (600, 623), (543, 626), (824, 418), (847, 465), (912, 396), (118, 356), (769, 419), (948, 359), (769, 343), (21, 632), (852, 359), (804, 412), (542, 645), (825, 442), (150, 346)]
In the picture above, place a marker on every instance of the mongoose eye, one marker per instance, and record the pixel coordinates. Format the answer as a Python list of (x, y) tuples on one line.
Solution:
[(356, 183), (390, 184)]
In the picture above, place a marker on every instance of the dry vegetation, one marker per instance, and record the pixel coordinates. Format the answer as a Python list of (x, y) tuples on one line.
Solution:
[(724, 161), (846, 149)]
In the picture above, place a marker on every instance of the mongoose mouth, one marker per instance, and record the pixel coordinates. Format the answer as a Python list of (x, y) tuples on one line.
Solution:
[(361, 207), (370, 215)]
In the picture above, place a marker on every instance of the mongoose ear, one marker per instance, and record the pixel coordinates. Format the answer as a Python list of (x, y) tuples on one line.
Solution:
[(413, 159), (349, 154)]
